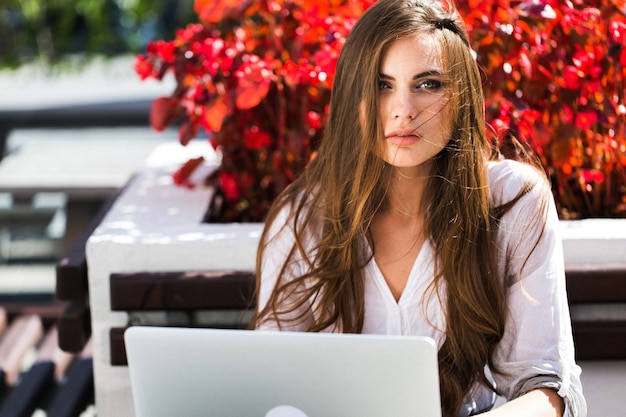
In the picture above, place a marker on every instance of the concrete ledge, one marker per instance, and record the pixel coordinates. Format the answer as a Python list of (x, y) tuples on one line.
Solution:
[(594, 242)]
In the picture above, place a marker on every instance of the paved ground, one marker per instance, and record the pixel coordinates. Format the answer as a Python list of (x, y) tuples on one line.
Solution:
[(604, 384)]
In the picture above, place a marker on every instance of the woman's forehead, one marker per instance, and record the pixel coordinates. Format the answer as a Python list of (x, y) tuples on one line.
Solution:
[(419, 52)]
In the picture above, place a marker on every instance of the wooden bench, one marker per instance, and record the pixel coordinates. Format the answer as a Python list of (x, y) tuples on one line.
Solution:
[(189, 299), (185, 298), (191, 293), (72, 287), (593, 288), (84, 198), (24, 231), (86, 171)]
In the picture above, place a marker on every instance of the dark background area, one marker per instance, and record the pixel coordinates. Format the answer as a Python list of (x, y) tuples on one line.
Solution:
[(52, 30)]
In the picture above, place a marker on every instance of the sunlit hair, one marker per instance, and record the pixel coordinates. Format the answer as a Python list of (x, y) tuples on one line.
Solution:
[(342, 189)]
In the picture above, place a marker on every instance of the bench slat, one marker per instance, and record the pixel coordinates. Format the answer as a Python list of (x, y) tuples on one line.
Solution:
[(596, 284), (145, 291), (74, 326), (600, 340), (186, 291), (71, 270)]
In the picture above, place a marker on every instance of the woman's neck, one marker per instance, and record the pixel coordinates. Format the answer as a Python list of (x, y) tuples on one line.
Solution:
[(406, 195)]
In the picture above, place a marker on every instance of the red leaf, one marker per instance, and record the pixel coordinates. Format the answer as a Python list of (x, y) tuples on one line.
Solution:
[(593, 175), (215, 113), (620, 4), (184, 172), (228, 184), (315, 120), (525, 64), (163, 112), (165, 51), (572, 77), (187, 132), (585, 120), (253, 83), (256, 138), (212, 11), (144, 67)]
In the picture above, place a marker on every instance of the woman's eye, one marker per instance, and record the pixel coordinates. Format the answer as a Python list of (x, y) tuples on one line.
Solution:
[(430, 85), (382, 85)]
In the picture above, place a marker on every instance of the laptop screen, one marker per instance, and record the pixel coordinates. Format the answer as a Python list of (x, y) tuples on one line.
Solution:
[(241, 373)]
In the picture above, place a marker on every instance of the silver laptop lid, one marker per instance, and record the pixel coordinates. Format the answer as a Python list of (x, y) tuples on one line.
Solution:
[(207, 372)]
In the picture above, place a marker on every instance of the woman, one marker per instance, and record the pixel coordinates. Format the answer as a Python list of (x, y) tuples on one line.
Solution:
[(407, 222)]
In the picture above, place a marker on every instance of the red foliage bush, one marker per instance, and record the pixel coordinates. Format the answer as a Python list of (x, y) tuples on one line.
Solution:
[(256, 76), (555, 75)]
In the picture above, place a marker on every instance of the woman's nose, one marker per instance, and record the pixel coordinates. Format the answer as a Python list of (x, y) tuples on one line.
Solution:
[(403, 107)]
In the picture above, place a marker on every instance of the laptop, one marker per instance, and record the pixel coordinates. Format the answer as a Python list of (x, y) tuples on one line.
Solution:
[(193, 372)]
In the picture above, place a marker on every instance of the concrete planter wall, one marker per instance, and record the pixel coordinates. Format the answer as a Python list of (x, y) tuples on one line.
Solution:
[(594, 241), (155, 226)]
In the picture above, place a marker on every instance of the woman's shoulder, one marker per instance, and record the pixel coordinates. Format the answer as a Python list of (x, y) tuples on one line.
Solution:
[(296, 211), (508, 178)]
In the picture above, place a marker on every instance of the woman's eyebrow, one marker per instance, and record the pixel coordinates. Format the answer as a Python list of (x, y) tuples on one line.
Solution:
[(424, 74)]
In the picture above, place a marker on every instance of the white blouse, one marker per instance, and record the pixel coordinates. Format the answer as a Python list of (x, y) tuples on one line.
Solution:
[(537, 348)]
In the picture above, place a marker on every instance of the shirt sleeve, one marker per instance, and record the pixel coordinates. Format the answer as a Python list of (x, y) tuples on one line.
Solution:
[(537, 349), (278, 243)]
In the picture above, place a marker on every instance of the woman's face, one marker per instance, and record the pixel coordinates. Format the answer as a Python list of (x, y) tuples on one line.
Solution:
[(413, 102)]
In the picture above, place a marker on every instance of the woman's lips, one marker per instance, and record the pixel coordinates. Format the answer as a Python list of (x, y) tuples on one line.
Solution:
[(403, 139)]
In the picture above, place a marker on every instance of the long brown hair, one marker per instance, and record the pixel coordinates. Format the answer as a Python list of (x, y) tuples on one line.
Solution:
[(342, 189)]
